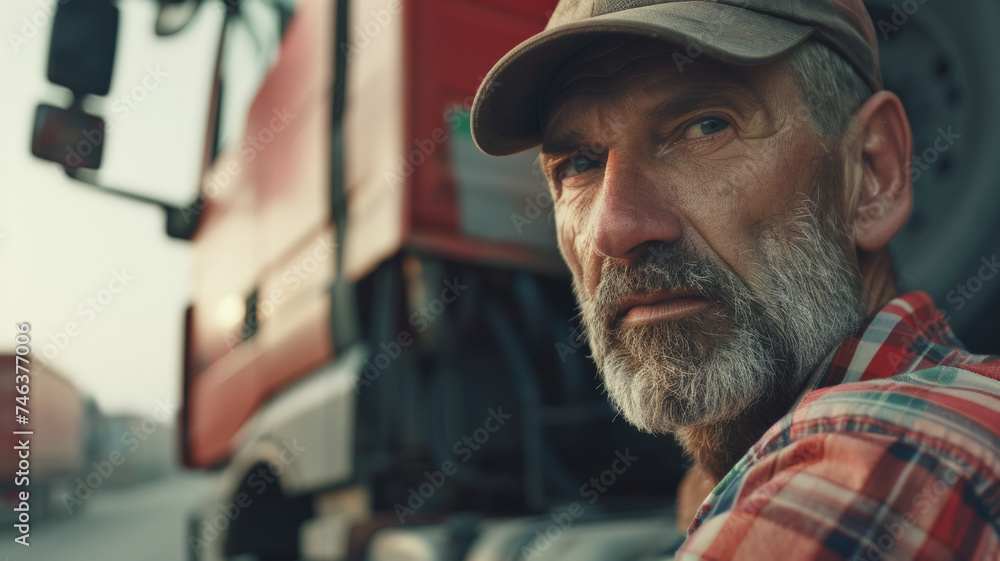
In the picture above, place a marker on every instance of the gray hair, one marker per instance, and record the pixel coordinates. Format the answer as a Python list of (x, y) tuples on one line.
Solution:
[(831, 89)]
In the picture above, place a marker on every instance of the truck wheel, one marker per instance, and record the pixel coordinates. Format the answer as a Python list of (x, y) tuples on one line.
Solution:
[(267, 529), (941, 62)]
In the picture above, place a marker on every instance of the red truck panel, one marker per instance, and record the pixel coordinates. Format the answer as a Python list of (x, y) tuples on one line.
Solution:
[(404, 72), (441, 73), (446, 48), (268, 230)]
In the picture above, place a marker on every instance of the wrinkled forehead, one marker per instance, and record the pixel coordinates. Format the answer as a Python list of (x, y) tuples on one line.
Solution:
[(605, 66), (606, 63)]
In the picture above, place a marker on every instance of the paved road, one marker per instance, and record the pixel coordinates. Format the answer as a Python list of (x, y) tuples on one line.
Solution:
[(145, 523)]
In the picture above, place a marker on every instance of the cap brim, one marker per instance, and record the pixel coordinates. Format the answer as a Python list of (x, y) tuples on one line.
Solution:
[(506, 114)]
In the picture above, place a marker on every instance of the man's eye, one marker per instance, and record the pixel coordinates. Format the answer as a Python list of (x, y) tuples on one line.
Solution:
[(709, 126), (577, 165)]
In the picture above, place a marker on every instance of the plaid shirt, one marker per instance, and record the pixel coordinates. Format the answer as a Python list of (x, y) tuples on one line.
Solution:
[(892, 453)]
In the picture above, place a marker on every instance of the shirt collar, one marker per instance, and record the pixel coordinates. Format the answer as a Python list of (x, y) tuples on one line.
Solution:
[(889, 342)]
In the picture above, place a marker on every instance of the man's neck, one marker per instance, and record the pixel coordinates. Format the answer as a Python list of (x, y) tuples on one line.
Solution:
[(879, 280), (717, 448)]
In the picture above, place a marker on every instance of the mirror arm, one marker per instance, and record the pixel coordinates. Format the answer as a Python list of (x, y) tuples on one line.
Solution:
[(181, 222)]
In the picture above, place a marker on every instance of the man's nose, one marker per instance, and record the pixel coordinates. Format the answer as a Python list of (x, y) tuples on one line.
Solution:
[(634, 209)]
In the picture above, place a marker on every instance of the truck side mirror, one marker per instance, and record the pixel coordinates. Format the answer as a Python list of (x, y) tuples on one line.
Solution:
[(81, 58), (69, 137), (82, 48)]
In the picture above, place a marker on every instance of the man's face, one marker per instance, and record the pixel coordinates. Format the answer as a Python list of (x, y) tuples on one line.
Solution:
[(697, 213)]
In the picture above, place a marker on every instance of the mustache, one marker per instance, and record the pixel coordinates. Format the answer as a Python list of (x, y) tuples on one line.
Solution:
[(667, 268)]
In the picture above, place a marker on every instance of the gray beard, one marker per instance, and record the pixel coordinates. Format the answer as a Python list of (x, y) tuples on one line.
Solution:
[(753, 349)]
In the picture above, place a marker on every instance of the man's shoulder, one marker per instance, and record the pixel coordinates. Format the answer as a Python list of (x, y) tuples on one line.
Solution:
[(950, 411), (862, 462), (936, 392)]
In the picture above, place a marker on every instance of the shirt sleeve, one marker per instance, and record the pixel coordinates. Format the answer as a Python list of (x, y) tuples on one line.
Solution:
[(849, 495)]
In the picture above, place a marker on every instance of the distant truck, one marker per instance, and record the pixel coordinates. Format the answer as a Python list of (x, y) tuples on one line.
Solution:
[(62, 418)]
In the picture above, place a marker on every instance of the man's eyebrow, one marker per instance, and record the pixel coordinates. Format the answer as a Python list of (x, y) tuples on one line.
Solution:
[(742, 98)]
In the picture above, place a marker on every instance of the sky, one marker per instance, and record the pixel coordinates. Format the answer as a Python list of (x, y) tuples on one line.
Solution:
[(102, 286)]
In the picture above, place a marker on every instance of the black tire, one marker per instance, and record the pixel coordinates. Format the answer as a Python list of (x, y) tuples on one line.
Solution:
[(939, 59)]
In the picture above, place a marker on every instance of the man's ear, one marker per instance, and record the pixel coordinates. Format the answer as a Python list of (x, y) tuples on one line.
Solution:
[(882, 146)]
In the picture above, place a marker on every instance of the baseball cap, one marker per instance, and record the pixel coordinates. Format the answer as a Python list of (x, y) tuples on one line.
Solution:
[(506, 114)]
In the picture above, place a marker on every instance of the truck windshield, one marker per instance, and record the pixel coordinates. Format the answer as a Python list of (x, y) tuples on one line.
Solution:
[(249, 49)]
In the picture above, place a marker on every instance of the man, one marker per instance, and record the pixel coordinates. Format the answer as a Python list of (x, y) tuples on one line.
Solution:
[(727, 177)]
